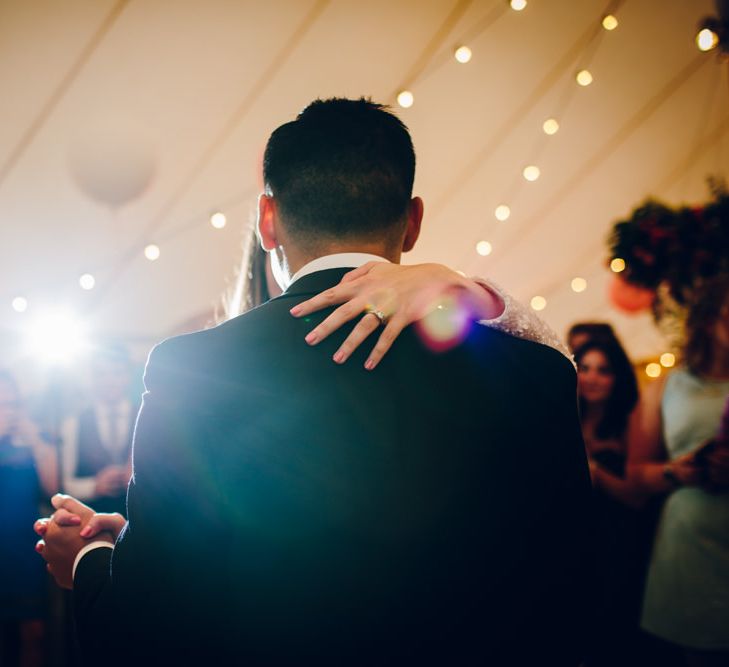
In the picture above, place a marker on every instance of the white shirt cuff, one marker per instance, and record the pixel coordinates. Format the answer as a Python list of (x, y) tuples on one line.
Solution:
[(89, 547)]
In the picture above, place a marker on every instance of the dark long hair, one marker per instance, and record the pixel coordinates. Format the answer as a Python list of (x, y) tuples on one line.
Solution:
[(624, 394), (250, 288), (701, 321)]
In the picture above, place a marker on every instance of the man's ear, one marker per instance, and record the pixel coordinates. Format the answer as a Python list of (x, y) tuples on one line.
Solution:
[(415, 217), (266, 222)]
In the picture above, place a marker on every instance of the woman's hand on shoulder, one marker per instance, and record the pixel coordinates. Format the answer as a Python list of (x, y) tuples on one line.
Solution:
[(394, 296)]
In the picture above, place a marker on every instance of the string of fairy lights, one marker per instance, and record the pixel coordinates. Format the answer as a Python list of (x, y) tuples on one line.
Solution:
[(462, 53)]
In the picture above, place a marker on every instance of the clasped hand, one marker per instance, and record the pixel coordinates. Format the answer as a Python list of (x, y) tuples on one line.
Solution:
[(68, 530)]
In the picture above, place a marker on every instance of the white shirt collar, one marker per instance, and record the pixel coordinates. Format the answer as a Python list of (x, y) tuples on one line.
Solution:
[(338, 261)]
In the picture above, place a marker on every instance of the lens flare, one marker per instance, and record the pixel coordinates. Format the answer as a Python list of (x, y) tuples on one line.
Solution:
[(447, 323), (56, 336)]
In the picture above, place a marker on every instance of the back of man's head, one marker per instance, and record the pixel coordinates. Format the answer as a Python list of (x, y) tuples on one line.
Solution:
[(342, 170)]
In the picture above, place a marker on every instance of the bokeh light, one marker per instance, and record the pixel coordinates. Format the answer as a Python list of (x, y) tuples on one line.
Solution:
[(538, 303), (484, 248), (668, 360), (617, 265), (502, 212), (531, 173), (610, 22), (653, 370), (87, 281), (550, 126), (518, 5), (20, 304), (578, 284), (584, 78), (405, 99), (151, 252), (463, 54), (218, 220), (706, 39)]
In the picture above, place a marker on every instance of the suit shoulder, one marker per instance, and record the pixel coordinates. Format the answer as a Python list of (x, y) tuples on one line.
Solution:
[(535, 358)]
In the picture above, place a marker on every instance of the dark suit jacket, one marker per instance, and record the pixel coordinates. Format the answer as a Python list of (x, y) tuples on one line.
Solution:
[(285, 510)]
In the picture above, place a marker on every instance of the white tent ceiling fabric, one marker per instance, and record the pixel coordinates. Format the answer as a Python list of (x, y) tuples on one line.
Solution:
[(127, 122)]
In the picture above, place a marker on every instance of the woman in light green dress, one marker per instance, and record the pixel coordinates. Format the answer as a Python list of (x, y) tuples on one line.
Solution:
[(687, 590)]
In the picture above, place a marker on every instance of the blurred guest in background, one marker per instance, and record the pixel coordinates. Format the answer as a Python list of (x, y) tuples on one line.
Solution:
[(687, 589), (608, 396), (582, 332), (27, 470), (97, 441)]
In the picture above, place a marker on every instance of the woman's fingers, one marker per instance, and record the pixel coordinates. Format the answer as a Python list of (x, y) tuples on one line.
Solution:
[(359, 272), (368, 324), (65, 518), (333, 321), (331, 297), (41, 526), (387, 338), (100, 523)]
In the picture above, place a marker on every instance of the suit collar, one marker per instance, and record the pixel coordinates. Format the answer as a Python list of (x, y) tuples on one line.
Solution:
[(313, 283)]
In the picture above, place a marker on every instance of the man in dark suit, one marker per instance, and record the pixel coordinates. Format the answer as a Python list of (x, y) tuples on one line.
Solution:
[(286, 510)]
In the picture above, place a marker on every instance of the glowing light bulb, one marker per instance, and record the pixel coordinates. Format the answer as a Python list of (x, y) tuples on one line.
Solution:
[(538, 303), (463, 54), (483, 248), (583, 77), (87, 281), (668, 360), (502, 212), (653, 370), (706, 39), (531, 173), (550, 126), (151, 252), (518, 5), (579, 285), (20, 304), (218, 220), (405, 99), (617, 265), (610, 22)]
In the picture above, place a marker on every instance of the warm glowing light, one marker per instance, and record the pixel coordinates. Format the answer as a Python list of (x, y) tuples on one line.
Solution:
[(617, 265), (610, 22), (151, 252), (538, 303), (483, 248), (550, 126), (405, 99), (706, 39), (56, 336), (20, 304), (446, 324), (653, 370), (531, 173), (584, 78), (579, 284), (518, 5), (502, 212), (218, 220), (87, 281), (463, 54), (668, 360)]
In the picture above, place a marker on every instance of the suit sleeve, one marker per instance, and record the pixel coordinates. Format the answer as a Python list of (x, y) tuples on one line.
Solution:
[(153, 566)]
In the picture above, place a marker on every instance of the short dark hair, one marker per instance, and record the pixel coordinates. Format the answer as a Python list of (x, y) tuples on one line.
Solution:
[(343, 169), (600, 331), (624, 395)]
